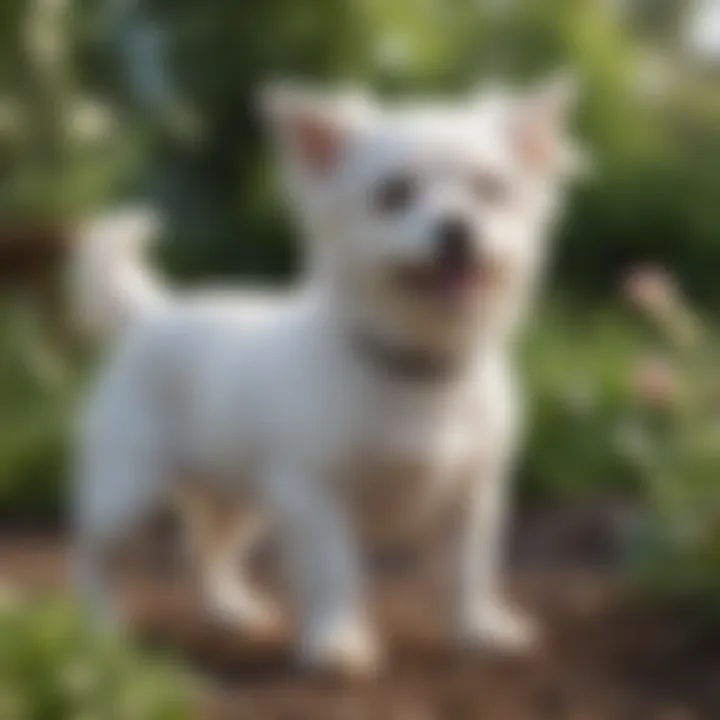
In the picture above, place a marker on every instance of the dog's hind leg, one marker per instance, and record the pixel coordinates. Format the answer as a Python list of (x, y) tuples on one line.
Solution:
[(120, 480), (223, 534)]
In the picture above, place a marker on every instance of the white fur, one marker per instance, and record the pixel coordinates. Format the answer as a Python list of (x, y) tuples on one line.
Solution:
[(266, 395), (110, 286)]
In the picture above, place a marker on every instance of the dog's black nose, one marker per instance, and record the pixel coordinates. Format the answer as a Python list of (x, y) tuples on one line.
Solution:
[(454, 240)]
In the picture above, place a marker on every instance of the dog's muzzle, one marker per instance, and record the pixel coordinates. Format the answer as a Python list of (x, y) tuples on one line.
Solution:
[(454, 244)]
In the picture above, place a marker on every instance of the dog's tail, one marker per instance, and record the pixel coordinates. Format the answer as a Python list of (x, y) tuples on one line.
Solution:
[(111, 288)]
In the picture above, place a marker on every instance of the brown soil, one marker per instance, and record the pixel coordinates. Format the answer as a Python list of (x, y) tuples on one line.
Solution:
[(603, 657)]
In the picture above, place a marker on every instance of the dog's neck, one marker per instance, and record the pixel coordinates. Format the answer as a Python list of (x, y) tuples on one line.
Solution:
[(391, 349), (370, 340), (403, 362)]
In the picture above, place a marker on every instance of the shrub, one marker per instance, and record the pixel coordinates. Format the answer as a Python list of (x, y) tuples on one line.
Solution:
[(575, 377), (53, 667), (676, 422), (37, 384)]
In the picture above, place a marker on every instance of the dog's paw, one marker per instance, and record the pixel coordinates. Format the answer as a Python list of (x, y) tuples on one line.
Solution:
[(245, 610), (345, 646), (500, 628)]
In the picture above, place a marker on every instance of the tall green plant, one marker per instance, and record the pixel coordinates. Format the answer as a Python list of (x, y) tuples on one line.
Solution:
[(677, 423)]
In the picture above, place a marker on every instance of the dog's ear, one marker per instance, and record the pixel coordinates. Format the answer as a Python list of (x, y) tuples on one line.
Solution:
[(540, 127), (314, 130)]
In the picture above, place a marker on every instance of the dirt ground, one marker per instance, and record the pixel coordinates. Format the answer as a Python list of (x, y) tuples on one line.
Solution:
[(604, 656)]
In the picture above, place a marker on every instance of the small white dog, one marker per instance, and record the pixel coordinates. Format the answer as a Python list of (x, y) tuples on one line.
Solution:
[(384, 377)]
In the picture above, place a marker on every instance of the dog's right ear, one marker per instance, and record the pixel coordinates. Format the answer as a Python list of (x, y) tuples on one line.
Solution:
[(314, 130), (540, 127)]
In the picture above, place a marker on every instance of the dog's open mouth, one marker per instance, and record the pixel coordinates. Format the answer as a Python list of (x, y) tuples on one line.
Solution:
[(451, 283)]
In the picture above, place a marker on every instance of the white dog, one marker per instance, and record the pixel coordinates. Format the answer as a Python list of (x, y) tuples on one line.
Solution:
[(384, 377)]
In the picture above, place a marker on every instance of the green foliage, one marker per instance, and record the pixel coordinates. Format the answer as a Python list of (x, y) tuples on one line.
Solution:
[(53, 667), (676, 425), (576, 366), (36, 391), (61, 151)]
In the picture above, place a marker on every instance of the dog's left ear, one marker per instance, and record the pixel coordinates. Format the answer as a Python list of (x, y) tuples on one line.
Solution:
[(314, 130), (540, 128)]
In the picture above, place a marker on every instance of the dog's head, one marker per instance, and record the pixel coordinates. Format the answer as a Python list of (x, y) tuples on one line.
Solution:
[(429, 220)]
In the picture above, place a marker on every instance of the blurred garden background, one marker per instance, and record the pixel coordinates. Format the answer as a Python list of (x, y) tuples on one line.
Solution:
[(105, 100)]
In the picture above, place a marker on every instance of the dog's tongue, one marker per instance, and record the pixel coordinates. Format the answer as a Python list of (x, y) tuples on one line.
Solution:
[(454, 282)]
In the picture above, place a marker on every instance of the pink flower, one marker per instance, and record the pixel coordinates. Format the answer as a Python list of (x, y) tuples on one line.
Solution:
[(656, 292), (652, 289), (655, 382)]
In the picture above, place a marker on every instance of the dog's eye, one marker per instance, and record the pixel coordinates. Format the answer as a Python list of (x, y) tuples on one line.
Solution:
[(491, 188), (395, 194)]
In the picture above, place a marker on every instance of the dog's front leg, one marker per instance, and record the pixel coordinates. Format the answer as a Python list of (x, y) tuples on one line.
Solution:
[(483, 616), (326, 576)]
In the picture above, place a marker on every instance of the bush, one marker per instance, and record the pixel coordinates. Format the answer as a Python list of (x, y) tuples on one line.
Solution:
[(575, 377), (676, 423), (52, 667), (37, 387)]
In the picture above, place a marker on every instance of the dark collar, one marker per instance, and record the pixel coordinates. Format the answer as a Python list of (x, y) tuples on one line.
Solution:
[(403, 362)]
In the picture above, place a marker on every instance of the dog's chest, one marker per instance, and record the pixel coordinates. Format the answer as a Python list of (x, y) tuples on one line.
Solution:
[(412, 453), (409, 431)]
